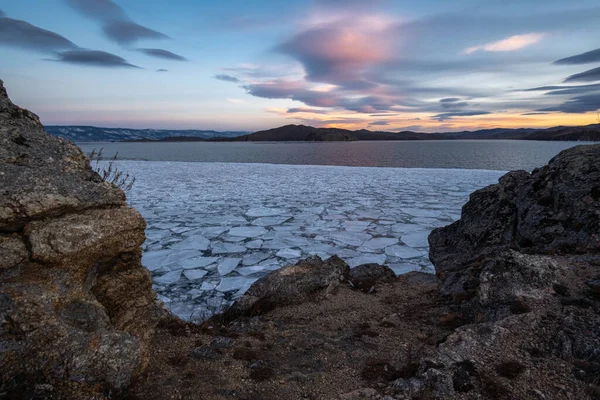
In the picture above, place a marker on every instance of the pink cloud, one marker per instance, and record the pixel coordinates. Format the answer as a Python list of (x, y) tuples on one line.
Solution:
[(512, 43)]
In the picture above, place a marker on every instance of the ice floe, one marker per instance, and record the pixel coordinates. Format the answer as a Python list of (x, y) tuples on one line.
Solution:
[(214, 228)]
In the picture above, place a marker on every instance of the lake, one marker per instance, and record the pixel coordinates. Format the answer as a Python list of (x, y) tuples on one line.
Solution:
[(499, 155)]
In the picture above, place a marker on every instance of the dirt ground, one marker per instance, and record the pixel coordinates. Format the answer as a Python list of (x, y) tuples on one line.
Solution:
[(345, 341)]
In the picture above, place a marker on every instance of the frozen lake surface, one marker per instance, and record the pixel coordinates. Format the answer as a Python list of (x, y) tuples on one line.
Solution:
[(214, 228)]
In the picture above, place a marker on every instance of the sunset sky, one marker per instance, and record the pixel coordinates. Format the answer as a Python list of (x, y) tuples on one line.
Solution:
[(392, 65)]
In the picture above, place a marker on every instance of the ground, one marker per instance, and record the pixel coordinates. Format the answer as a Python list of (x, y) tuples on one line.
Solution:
[(320, 350)]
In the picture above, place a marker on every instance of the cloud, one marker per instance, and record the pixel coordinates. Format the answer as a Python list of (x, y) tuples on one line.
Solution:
[(584, 58), (117, 26), (449, 115), (227, 78), (577, 105), (104, 10), (587, 76), (295, 110), (126, 32), (159, 53), (453, 103), (512, 43), (566, 90), (340, 52), (379, 123), (93, 58), (2, 14), (21, 34), (162, 70)]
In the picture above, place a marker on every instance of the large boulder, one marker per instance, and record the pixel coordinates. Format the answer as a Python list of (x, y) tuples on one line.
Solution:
[(77, 308), (292, 284)]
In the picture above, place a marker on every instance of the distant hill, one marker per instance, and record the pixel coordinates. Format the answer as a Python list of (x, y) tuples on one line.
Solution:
[(303, 133), (96, 134), (310, 134)]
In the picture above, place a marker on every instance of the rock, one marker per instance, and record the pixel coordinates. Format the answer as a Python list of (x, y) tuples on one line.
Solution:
[(554, 210), (363, 393), (244, 353), (289, 285), (41, 175), (77, 309), (261, 371), (365, 277), (221, 342), (519, 266), (205, 353)]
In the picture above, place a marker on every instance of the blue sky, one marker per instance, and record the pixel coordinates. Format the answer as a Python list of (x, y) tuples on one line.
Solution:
[(249, 65)]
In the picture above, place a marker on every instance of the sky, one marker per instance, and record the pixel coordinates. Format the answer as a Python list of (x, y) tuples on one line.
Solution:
[(390, 65)]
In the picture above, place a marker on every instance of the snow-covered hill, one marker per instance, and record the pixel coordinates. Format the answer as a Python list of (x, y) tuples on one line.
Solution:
[(96, 134)]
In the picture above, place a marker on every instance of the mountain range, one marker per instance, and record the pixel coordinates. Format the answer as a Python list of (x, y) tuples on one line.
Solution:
[(96, 134), (303, 133)]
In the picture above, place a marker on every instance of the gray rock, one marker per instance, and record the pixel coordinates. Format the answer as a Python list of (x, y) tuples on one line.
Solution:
[(365, 277), (554, 210), (77, 309), (289, 285)]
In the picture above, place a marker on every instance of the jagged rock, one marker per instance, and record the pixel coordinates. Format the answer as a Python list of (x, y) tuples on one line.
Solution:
[(77, 308), (517, 268), (366, 276), (289, 285), (554, 210)]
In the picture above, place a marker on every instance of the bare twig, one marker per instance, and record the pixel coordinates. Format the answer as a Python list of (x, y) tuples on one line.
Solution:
[(110, 172)]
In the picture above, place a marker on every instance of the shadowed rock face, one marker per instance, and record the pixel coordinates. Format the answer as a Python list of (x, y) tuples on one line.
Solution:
[(76, 307), (554, 210), (520, 268)]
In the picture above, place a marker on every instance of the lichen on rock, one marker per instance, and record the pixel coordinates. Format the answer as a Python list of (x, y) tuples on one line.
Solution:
[(77, 308)]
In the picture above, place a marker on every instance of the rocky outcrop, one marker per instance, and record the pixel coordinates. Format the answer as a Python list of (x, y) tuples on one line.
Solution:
[(76, 307), (554, 210), (519, 268)]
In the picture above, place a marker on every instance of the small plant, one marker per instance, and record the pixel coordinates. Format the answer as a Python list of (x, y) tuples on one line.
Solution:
[(109, 172)]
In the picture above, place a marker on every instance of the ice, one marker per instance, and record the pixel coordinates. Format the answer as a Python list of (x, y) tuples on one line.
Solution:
[(192, 243), (153, 260), (255, 244), (194, 274), (208, 286), (254, 258), (265, 212), (366, 259), (196, 262), (232, 284), (213, 231), (421, 212), (169, 278), (403, 252), (245, 271), (405, 228), (272, 215), (380, 243), (226, 248), (247, 231), (416, 239), (289, 253), (227, 265), (269, 221), (350, 238), (401, 269)]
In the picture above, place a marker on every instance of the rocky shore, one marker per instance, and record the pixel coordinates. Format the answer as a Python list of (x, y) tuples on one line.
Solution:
[(513, 311)]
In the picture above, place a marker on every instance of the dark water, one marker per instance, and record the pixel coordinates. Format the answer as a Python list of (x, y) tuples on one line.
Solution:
[(464, 154)]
